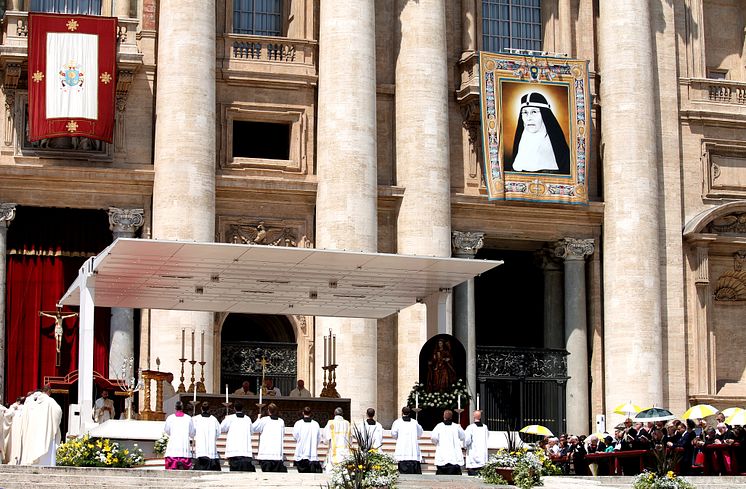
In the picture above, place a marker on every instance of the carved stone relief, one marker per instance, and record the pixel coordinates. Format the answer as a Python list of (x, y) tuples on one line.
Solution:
[(731, 286), (266, 233)]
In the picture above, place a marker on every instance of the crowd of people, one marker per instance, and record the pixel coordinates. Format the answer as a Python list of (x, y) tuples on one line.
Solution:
[(689, 439), (30, 429)]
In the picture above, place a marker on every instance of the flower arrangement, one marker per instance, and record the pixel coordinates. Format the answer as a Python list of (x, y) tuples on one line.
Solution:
[(651, 480), (97, 452), (528, 467), (159, 447), (365, 467), (418, 396)]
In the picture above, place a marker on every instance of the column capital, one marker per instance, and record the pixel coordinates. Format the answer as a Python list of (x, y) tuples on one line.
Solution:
[(465, 244), (125, 222), (574, 249), (7, 213)]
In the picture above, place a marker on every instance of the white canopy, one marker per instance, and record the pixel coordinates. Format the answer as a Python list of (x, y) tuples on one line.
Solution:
[(223, 277)]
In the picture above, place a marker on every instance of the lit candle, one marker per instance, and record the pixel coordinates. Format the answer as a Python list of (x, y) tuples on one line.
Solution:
[(182, 343), (459, 401), (226, 393), (202, 353), (192, 344), (416, 400), (477, 402)]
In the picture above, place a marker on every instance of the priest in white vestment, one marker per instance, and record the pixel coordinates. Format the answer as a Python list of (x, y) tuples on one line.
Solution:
[(373, 428), (206, 433), (103, 408), (271, 431), (407, 431), (337, 435), (13, 426), (448, 438), (300, 391), (41, 429), (180, 429), (238, 445), (307, 435), (476, 437)]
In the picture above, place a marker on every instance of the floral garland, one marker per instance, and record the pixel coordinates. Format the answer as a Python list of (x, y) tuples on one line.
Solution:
[(97, 452), (419, 397)]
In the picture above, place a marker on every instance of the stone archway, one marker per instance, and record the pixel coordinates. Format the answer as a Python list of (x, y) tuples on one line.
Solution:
[(245, 338)]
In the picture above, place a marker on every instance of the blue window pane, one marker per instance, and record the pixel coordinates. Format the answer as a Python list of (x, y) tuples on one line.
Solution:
[(81, 7), (511, 24), (257, 17)]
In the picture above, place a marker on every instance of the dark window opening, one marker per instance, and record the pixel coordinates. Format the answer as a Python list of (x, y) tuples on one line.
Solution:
[(511, 24), (257, 17), (265, 140), (82, 7)]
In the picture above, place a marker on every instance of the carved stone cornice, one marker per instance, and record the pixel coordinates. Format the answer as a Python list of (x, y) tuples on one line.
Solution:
[(7, 214), (466, 244), (125, 222), (12, 75), (574, 249)]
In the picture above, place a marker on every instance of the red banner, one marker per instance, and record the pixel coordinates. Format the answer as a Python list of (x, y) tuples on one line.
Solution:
[(71, 76)]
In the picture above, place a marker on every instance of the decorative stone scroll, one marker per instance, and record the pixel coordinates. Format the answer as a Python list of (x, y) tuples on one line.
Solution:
[(730, 224), (502, 362), (574, 249), (7, 213), (466, 244), (731, 286), (125, 222)]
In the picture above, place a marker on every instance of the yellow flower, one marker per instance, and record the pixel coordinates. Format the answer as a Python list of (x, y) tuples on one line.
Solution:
[(669, 474)]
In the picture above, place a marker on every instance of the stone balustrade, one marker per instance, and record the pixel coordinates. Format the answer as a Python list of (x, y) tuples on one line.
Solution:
[(719, 91), (289, 60)]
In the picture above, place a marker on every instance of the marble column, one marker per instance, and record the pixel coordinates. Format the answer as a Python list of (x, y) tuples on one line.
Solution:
[(7, 214), (422, 160), (573, 252), (466, 245), (631, 240), (122, 8), (554, 306), (184, 156), (347, 192), (123, 223), (565, 26), (468, 25)]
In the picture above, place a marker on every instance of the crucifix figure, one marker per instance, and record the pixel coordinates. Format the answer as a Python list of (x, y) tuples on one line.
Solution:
[(58, 317)]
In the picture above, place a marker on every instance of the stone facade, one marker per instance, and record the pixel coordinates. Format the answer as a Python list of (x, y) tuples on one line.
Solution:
[(379, 103)]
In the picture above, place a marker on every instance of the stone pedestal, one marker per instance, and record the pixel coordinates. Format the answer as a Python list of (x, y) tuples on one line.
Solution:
[(422, 161), (574, 252), (7, 214), (631, 258), (347, 193), (184, 156)]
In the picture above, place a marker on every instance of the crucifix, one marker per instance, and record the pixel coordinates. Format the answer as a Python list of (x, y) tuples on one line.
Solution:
[(263, 362), (58, 317)]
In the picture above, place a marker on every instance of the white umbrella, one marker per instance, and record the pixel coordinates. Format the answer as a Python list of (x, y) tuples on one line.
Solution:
[(700, 411)]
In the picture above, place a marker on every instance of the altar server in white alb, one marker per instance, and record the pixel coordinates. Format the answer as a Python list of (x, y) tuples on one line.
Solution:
[(307, 434), (180, 430), (13, 425), (448, 438), (41, 429), (373, 428), (337, 435), (207, 431), (476, 437), (272, 433), (238, 445), (407, 431)]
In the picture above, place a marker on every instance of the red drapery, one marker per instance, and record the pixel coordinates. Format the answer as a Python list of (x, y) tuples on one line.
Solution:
[(38, 272)]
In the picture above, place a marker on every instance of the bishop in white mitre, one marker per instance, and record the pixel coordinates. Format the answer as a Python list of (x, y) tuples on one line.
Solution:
[(307, 435), (206, 433), (272, 435), (407, 431), (238, 444), (41, 432), (476, 437), (448, 438), (180, 430), (337, 435)]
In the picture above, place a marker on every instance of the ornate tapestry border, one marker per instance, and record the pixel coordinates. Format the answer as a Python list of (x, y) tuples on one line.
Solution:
[(535, 186)]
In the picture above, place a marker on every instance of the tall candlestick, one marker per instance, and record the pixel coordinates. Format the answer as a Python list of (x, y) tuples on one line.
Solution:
[(202, 353), (182, 343), (325, 364), (260, 392), (192, 344), (226, 393), (334, 350)]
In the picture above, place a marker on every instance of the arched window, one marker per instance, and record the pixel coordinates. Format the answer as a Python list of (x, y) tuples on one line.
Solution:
[(257, 17), (511, 24), (84, 7)]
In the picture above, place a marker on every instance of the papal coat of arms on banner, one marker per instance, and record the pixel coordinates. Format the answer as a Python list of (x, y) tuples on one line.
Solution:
[(72, 83), (535, 127)]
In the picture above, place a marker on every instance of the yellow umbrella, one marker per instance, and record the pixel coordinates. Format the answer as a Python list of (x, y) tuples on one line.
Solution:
[(536, 429), (738, 418), (731, 411), (700, 411), (627, 409)]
